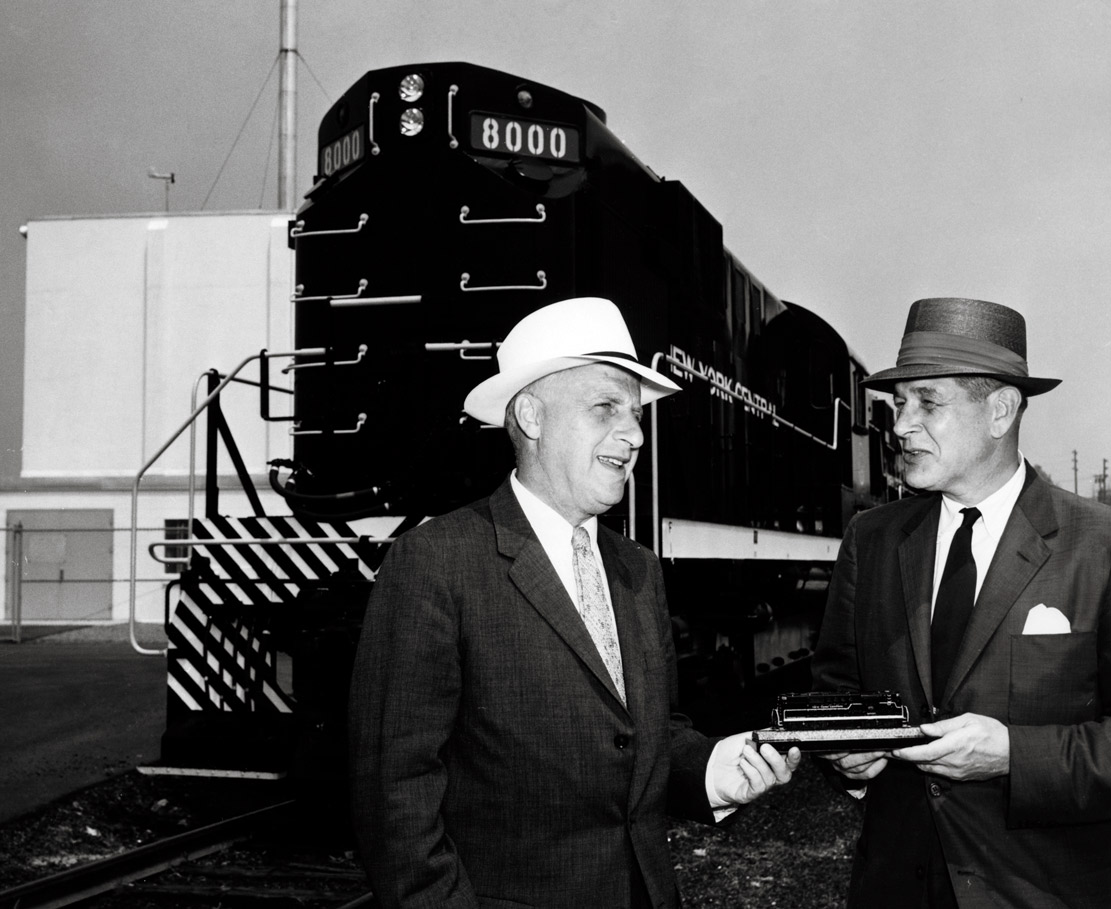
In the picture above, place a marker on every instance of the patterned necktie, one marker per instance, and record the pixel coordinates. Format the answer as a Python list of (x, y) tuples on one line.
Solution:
[(955, 596), (594, 609)]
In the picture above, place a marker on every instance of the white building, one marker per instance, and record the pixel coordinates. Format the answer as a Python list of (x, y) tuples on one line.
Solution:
[(123, 316)]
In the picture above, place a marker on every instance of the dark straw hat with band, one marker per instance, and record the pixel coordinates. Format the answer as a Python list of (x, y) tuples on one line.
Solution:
[(952, 336)]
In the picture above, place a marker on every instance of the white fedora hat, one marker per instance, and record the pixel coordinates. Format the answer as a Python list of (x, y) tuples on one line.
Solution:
[(556, 337)]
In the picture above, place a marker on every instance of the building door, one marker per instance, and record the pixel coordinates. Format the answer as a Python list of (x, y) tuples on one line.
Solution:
[(67, 564)]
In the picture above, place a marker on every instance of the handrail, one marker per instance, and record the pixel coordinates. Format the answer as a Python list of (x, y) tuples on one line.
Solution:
[(259, 541), (655, 466), (360, 421), (451, 93), (540, 211), (463, 346), (541, 276), (192, 456), (197, 411), (341, 302), (358, 359), (296, 297), (374, 149), (192, 493), (298, 229)]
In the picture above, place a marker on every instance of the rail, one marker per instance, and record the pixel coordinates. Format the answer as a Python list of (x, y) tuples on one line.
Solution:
[(541, 216), (192, 487), (60, 577), (254, 541), (85, 881), (15, 590), (197, 411), (464, 284)]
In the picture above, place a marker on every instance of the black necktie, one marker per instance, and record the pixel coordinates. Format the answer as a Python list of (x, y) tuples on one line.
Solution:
[(955, 597)]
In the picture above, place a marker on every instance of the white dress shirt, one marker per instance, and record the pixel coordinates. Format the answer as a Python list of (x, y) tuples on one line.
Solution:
[(554, 533), (995, 511)]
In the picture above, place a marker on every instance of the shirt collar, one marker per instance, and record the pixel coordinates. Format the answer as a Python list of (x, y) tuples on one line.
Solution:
[(549, 525), (995, 510)]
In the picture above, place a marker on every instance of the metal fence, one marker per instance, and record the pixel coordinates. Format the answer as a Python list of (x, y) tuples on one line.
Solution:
[(79, 576)]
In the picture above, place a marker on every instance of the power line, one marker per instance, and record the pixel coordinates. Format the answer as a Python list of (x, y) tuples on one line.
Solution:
[(327, 97), (239, 135), (246, 120), (270, 149)]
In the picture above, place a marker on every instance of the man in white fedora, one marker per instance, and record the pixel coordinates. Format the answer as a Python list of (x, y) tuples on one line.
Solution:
[(986, 602), (513, 734)]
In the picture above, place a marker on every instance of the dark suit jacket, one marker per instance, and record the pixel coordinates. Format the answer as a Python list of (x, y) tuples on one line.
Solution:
[(493, 763), (1040, 837)]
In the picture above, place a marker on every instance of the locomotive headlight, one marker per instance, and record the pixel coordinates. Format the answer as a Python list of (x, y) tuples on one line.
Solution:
[(411, 88), (412, 121)]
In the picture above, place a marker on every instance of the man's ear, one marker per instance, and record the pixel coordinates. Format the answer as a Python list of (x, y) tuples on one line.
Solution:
[(529, 411), (1005, 405)]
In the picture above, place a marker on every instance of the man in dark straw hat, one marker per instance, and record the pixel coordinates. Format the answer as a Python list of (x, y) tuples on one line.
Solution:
[(986, 602), (511, 709)]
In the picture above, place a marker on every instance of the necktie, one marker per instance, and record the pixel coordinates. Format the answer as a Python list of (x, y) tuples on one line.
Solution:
[(955, 597), (594, 609)]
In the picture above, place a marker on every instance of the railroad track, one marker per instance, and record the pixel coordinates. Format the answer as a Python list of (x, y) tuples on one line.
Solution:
[(231, 862)]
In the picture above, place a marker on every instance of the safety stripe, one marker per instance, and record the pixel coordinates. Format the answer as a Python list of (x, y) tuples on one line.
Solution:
[(220, 657), (218, 663), (230, 562)]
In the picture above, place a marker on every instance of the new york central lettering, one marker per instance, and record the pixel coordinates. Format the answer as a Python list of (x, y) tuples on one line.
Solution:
[(722, 386)]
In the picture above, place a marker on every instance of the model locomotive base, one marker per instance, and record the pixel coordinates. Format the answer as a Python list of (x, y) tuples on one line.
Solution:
[(835, 740), (822, 721)]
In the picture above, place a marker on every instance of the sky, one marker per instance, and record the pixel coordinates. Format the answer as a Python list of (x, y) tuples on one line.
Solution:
[(859, 154)]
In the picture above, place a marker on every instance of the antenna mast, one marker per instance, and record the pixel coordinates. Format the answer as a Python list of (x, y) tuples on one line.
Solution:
[(287, 101)]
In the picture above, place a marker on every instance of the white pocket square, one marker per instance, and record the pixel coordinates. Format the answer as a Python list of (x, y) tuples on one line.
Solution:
[(1044, 619)]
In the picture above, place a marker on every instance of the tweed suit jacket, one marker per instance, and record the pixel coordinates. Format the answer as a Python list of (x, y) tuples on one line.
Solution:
[(493, 764), (1041, 836)]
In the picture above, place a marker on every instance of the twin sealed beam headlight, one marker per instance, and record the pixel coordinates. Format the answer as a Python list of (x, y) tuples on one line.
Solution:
[(411, 88)]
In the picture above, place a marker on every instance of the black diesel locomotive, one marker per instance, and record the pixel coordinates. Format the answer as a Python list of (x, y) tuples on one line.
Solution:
[(451, 200)]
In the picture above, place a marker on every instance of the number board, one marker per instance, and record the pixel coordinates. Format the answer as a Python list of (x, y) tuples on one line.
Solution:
[(347, 150), (530, 138)]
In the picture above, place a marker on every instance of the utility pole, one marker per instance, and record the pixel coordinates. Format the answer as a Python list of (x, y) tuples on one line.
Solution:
[(1075, 485), (1103, 483), (287, 103)]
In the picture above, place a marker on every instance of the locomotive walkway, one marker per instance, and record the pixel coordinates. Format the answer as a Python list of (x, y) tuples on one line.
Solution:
[(76, 707)]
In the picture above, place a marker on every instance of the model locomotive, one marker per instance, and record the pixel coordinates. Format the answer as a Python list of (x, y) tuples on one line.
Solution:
[(840, 721)]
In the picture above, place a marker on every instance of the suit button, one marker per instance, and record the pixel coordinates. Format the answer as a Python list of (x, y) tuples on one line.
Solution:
[(935, 789), (920, 872), (621, 741)]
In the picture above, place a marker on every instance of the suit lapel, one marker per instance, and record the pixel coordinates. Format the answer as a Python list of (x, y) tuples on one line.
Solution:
[(536, 579), (916, 564), (1020, 555)]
